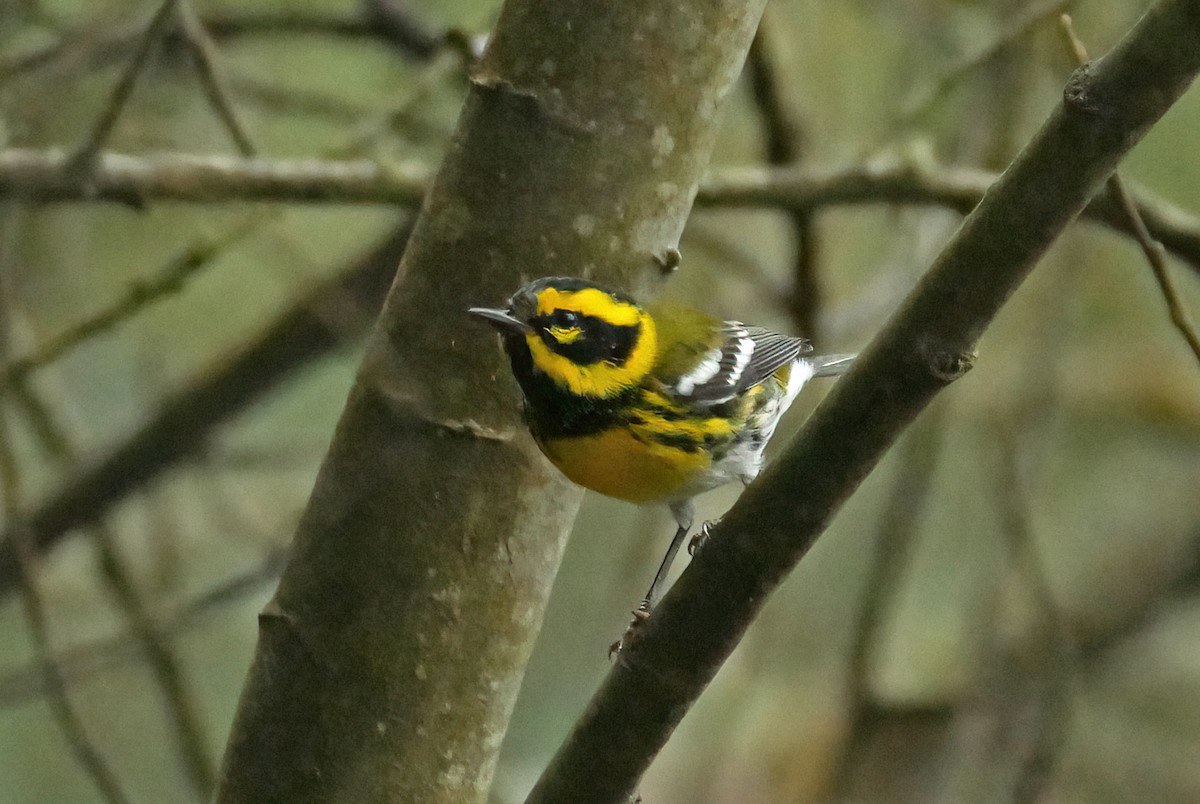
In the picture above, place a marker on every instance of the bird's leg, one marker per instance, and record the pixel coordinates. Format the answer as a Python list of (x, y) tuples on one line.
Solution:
[(660, 577), (684, 515)]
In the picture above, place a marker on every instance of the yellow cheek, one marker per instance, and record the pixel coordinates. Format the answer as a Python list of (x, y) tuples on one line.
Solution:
[(597, 380), (600, 380), (565, 336)]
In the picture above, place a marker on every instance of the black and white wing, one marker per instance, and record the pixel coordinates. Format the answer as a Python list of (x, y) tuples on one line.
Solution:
[(746, 357)]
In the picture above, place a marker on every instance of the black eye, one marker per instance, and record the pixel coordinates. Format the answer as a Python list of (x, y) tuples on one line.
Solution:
[(564, 319)]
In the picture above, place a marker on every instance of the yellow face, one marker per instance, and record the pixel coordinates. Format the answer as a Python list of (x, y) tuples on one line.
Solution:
[(589, 341)]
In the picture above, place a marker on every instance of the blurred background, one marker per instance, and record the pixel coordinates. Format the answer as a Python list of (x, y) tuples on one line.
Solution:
[(1008, 609)]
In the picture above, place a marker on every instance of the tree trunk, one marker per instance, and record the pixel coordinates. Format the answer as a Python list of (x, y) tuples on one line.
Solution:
[(390, 657)]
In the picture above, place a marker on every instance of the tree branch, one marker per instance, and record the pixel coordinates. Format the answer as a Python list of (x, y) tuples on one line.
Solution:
[(927, 344), (24, 570), (1020, 26), (83, 160), (888, 560), (1153, 250), (335, 310), (158, 652), (212, 76), (41, 177), (167, 280), (398, 27), (784, 139), (83, 661)]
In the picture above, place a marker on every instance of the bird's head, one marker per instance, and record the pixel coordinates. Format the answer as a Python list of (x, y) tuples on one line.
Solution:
[(586, 339)]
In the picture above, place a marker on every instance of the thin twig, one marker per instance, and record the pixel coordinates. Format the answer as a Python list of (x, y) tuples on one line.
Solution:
[(1058, 653), (94, 48), (84, 661), (83, 160), (1018, 28), (371, 128), (86, 753), (314, 326), (138, 296), (785, 137), (188, 727), (212, 77), (165, 666), (17, 544), (1153, 249), (888, 558)]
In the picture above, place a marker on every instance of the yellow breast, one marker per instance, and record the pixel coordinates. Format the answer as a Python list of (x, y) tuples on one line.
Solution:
[(615, 463)]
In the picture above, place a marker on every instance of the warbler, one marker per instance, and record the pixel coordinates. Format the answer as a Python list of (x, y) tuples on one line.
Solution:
[(648, 403)]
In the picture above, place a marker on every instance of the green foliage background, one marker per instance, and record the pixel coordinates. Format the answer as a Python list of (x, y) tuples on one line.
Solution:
[(1082, 383)]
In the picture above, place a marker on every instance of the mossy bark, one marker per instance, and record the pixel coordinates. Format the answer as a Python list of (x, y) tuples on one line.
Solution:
[(390, 656)]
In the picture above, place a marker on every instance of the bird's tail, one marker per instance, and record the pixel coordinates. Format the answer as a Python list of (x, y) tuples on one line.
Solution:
[(830, 365)]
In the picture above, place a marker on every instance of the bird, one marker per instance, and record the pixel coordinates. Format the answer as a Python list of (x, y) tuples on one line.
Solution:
[(649, 403)]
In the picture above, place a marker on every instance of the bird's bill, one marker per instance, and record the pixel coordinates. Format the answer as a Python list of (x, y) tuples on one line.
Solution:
[(500, 319)]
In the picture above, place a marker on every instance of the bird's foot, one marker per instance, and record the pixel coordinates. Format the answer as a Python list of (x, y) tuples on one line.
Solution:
[(633, 631), (701, 536)]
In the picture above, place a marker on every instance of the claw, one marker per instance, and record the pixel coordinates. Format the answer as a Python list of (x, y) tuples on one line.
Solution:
[(701, 536), (632, 631)]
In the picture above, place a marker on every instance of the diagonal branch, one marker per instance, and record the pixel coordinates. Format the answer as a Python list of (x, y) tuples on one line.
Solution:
[(398, 27), (929, 343), (784, 137), (1016, 29), (212, 76), (83, 661), (168, 280), (1154, 251), (160, 655), (186, 419), (83, 161)]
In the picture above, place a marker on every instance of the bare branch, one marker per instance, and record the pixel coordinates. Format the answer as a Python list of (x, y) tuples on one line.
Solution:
[(1055, 644), (898, 528), (86, 753), (212, 77), (784, 138), (40, 176), (43, 176), (83, 160), (1018, 28), (334, 310), (167, 281), (23, 567), (160, 656), (1154, 251), (85, 46), (83, 661)]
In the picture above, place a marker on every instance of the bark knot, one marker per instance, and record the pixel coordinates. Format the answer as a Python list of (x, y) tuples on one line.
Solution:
[(945, 363), (1079, 93)]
